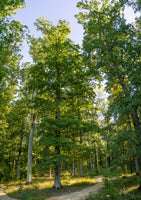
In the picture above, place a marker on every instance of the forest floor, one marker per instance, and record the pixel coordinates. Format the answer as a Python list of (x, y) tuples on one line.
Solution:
[(120, 188), (4, 196), (79, 194)]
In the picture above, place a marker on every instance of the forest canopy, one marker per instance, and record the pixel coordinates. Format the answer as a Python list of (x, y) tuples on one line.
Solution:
[(72, 109)]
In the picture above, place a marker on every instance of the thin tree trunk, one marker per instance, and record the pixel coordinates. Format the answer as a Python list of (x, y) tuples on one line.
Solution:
[(136, 158), (137, 166), (74, 168), (131, 165), (50, 175), (74, 161), (96, 156), (137, 126), (108, 157), (20, 150), (29, 162), (106, 160), (14, 162), (81, 167), (81, 161)]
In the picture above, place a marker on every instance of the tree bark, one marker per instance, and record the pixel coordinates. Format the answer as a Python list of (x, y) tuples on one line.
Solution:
[(137, 166), (29, 162), (81, 161), (74, 168), (81, 167), (20, 150), (137, 126), (57, 182), (50, 175), (97, 159), (106, 159), (96, 156), (136, 158)]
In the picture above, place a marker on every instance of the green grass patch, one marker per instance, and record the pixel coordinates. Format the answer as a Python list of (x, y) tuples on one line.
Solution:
[(42, 187), (119, 188)]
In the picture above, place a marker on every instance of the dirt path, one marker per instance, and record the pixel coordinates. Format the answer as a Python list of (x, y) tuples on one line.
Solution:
[(82, 194), (4, 196), (79, 195)]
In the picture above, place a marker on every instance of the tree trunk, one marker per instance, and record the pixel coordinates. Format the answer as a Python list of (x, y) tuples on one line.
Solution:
[(20, 150), (57, 182), (81, 167), (97, 159), (81, 161), (136, 158), (137, 166), (137, 126), (14, 162), (74, 168), (108, 157), (134, 114), (131, 165), (74, 161), (96, 156), (50, 175), (29, 162), (106, 160)]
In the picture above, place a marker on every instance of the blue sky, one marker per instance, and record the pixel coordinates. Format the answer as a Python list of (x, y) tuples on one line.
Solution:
[(53, 10)]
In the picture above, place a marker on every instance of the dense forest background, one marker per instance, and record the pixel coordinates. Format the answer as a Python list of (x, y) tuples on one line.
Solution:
[(73, 109)]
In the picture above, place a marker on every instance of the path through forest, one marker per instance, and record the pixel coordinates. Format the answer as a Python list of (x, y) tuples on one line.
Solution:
[(4, 196), (79, 195)]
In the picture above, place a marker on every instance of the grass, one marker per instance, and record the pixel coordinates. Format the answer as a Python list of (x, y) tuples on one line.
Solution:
[(121, 188), (42, 187)]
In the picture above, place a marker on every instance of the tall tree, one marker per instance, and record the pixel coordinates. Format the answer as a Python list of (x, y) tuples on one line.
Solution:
[(29, 162), (111, 47), (55, 75), (11, 38)]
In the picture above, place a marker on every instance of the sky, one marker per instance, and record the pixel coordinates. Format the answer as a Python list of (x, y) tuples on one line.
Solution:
[(53, 10)]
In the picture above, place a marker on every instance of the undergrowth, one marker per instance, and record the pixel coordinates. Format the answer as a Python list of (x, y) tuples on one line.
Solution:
[(42, 187), (116, 186), (119, 188)]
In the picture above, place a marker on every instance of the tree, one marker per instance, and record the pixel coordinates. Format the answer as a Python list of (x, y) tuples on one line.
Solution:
[(135, 4), (9, 7), (56, 74), (111, 48), (28, 95), (11, 38), (29, 162)]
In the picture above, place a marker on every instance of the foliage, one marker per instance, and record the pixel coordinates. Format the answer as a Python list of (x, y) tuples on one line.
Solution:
[(120, 189), (77, 131), (9, 7), (110, 48), (12, 34)]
